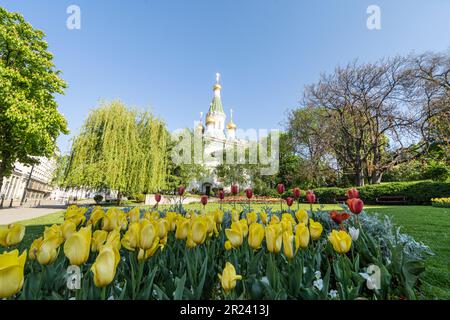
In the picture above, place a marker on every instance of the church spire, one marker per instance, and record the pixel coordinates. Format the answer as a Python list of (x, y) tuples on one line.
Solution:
[(231, 125), (216, 104)]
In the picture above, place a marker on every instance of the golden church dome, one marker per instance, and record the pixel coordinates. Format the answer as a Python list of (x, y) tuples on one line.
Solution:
[(210, 119), (231, 125)]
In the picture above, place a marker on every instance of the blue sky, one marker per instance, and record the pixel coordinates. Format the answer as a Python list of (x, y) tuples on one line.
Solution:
[(164, 55)]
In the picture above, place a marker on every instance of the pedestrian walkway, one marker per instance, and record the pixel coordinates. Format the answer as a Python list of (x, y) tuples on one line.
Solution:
[(11, 215)]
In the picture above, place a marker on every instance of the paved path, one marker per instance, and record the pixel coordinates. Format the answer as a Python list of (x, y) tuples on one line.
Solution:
[(11, 215)]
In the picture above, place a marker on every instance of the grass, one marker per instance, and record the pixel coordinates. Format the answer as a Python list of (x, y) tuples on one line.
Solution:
[(428, 224)]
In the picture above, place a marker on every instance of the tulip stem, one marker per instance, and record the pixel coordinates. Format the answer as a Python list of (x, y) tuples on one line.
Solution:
[(103, 294)]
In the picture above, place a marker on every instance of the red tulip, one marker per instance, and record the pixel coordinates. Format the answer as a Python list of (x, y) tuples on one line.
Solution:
[(249, 193), (181, 190), (355, 205), (280, 188), (352, 193), (234, 189), (158, 197), (204, 200), (339, 217), (297, 193), (310, 196), (289, 201), (221, 194)]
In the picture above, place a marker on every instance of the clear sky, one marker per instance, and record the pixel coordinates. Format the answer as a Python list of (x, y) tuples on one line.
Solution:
[(164, 54)]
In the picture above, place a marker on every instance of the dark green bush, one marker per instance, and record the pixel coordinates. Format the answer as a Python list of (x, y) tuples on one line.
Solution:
[(98, 198), (417, 192)]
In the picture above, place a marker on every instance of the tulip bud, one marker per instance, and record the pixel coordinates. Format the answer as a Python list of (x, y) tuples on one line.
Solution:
[(158, 197), (310, 197), (204, 200), (234, 189), (315, 229), (289, 201), (297, 193), (355, 205), (354, 233), (280, 188), (352, 193), (221, 194), (228, 277), (181, 190), (255, 235), (249, 193)]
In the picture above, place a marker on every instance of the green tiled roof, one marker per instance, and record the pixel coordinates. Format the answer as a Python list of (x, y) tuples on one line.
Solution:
[(216, 106)]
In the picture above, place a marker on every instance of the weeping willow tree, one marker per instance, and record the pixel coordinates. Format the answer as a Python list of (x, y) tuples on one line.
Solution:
[(119, 149)]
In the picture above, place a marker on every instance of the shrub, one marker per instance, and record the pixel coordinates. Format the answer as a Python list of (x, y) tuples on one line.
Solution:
[(98, 198), (417, 192)]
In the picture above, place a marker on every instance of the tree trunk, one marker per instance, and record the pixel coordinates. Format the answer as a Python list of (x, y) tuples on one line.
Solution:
[(376, 177)]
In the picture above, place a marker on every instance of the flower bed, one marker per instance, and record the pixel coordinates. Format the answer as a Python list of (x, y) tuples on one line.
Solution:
[(440, 202), (131, 254)]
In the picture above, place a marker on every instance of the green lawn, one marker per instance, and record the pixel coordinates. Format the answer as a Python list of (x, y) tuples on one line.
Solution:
[(425, 223)]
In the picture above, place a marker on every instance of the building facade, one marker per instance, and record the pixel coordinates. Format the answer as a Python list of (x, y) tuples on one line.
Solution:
[(28, 183)]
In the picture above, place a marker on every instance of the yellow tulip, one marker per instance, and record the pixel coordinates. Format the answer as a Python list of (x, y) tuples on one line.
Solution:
[(244, 227), (315, 228), (131, 238), (134, 215), (114, 219), (228, 277), (145, 254), (198, 229), (301, 236), (171, 219), (96, 215), (68, 228), (34, 248), (12, 235), (274, 238), (228, 245), (182, 229), (263, 216), (302, 216), (218, 216), (189, 241), (98, 240), (288, 244), (235, 235), (47, 250), (255, 235), (114, 239), (105, 266), (287, 225), (274, 219), (75, 214), (53, 231), (235, 215), (251, 217), (11, 272), (148, 234), (78, 246), (287, 217), (340, 240)]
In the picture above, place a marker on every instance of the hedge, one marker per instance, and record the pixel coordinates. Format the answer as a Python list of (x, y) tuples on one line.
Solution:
[(416, 192)]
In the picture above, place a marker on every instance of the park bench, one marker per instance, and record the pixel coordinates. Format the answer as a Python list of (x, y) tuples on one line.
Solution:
[(391, 200)]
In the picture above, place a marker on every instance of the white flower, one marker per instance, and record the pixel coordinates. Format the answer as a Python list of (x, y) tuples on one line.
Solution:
[(354, 233), (317, 274), (372, 279), (318, 284), (265, 280), (333, 294), (305, 269)]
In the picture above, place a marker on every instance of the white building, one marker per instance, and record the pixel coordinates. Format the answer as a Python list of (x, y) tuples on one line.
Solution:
[(218, 136), (31, 182)]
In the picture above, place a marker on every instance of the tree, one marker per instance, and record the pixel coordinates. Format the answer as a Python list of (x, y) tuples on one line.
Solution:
[(119, 149), (29, 118)]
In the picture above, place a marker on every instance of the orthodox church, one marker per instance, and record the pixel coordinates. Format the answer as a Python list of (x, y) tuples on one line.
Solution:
[(218, 136)]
